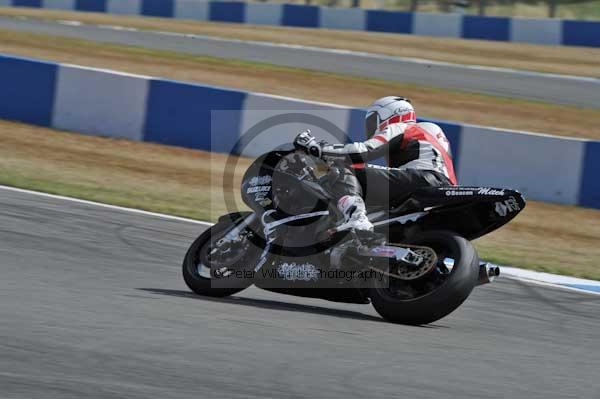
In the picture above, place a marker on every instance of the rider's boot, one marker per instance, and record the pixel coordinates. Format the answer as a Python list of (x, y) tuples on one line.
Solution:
[(355, 214)]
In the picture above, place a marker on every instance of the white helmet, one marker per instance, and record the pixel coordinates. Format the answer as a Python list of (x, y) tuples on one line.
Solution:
[(387, 110)]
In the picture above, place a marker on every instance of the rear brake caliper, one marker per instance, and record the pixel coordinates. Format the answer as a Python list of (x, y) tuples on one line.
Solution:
[(410, 257), (408, 262)]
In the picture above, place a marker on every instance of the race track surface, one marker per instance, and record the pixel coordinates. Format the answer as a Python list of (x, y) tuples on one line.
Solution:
[(584, 92), (92, 305)]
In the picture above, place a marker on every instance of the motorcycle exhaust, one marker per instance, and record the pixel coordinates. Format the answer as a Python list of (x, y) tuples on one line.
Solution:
[(488, 273)]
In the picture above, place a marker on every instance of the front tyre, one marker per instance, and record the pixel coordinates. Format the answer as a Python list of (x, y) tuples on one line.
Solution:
[(436, 295), (199, 267)]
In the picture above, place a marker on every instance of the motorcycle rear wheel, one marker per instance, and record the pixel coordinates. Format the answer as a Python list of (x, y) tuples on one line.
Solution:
[(448, 290)]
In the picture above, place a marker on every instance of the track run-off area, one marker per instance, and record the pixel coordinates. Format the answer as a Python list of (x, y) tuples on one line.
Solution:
[(93, 305)]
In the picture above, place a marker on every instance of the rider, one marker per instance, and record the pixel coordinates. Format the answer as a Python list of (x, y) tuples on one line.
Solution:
[(418, 155)]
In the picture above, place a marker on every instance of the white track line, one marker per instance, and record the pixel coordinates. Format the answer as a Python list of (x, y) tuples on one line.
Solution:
[(528, 276), (544, 283), (99, 204)]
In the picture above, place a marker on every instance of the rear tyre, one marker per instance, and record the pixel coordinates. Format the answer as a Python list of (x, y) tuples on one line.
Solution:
[(440, 292), (198, 272)]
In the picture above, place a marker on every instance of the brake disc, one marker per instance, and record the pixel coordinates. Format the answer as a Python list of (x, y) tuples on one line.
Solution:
[(411, 272)]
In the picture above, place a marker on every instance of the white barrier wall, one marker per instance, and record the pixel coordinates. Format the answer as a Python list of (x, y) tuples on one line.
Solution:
[(192, 9), (100, 103), (539, 31), (59, 4), (543, 167), (434, 24), (343, 18), (264, 13)]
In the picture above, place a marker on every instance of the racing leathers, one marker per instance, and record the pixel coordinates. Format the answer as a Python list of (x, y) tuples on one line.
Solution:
[(418, 155)]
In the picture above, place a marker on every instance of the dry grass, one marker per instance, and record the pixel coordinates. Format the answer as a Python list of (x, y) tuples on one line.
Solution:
[(148, 176), (310, 85), (557, 59), (548, 237), (182, 182)]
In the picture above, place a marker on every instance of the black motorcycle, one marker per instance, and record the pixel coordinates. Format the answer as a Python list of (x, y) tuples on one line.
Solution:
[(417, 267)]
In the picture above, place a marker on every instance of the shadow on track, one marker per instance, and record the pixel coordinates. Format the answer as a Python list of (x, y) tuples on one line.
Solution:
[(269, 304)]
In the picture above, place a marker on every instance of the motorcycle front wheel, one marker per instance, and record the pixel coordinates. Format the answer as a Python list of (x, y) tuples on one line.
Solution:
[(436, 295), (208, 255)]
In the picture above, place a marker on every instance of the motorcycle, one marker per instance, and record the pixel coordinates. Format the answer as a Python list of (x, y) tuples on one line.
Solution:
[(416, 267)]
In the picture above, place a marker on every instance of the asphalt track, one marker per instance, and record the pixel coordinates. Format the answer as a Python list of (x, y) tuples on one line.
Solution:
[(560, 89), (92, 305)]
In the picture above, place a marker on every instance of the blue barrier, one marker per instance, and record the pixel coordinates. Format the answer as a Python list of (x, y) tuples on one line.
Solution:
[(88, 100), (589, 194), (157, 8), (486, 28), (581, 33), (232, 11), (27, 3), (28, 88), (180, 113), (356, 125), (90, 5), (301, 16), (540, 31), (389, 21)]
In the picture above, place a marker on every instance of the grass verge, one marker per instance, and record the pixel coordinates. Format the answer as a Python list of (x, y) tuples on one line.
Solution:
[(310, 85), (183, 182), (582, 61)]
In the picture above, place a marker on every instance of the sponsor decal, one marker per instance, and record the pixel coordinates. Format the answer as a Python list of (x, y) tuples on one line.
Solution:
[(402, 110), (489, 191), (259, 186), (260, 180), (257, 189), (501, 209), (295, 271), (260, 197), (265, 202), (505, 207), (455, 193)]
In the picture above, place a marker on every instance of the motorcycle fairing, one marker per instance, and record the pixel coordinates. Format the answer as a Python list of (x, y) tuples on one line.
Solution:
[(469, 211)]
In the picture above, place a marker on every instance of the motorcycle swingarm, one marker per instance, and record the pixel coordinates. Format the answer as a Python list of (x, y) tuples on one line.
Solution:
[(393, 253)]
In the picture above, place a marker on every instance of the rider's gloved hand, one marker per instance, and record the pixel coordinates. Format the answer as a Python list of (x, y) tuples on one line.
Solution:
[(307, 143)]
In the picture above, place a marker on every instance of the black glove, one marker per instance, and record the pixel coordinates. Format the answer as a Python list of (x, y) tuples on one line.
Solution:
[(307, 143)]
